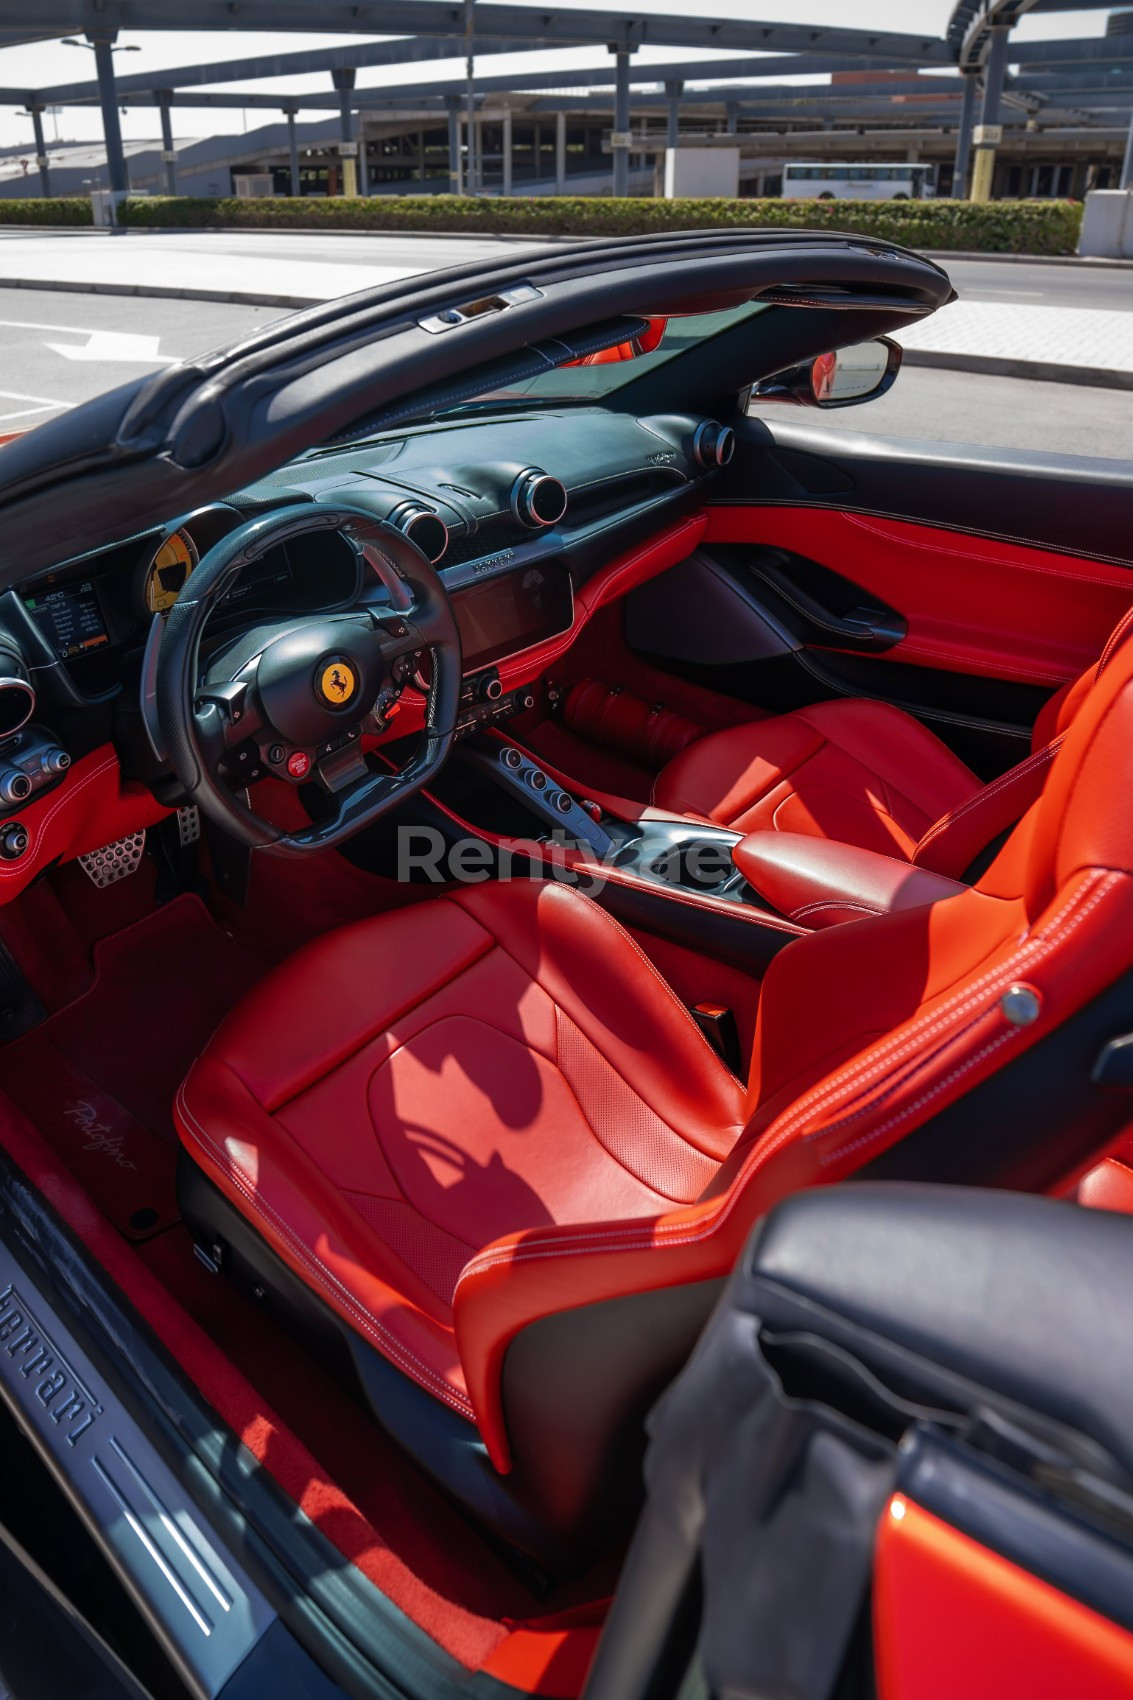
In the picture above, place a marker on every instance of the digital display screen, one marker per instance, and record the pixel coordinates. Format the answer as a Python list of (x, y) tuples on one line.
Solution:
[(272, 568), (512, 612), (71, 619)]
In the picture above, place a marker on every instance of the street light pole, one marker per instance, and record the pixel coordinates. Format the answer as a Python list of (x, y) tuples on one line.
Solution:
[(41, 151), (964, 140), (289, 112), (472, 175), (168, 152)]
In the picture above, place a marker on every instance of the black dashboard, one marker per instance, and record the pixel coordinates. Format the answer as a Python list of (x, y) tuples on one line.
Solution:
[(516, 510)]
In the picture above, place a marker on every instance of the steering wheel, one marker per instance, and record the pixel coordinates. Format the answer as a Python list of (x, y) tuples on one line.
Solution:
[(291, 696)]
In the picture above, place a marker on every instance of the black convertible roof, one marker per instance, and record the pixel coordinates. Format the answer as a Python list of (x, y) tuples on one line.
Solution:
[(191, 433)]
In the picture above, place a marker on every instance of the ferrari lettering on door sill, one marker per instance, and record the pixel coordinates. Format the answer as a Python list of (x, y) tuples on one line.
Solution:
[(210, 1612), (56, 1389)]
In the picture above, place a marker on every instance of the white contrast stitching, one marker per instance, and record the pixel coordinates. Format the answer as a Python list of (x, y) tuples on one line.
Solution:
[(925, 1098), (968, 555), (1046, 754), (832, 903), (911, 646)]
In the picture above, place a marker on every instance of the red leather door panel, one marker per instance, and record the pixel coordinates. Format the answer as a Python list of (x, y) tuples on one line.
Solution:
[(952, 1618), (973, 604)]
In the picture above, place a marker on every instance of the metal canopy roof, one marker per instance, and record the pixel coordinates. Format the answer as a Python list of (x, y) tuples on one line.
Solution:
[(441, 18), (1074, 81)]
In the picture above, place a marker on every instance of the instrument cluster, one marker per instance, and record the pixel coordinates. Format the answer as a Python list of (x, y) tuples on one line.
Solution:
[(87, 611)]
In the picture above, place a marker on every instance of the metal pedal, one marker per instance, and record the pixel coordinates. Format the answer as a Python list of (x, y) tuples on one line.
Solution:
[(114, 862), (188, 825)]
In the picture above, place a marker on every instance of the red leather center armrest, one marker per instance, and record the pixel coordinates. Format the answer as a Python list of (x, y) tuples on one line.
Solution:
[(819, 883)]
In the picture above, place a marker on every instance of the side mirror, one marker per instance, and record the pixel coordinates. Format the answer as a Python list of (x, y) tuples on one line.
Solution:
[(840, 379)]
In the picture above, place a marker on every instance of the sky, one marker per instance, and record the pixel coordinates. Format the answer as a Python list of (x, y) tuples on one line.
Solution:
[(46, 63)]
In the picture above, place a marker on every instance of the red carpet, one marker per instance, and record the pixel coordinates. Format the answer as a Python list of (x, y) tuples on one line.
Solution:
[(98, 1077)]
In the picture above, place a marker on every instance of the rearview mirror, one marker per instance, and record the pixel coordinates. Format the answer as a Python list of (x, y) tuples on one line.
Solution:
[(839, 379)]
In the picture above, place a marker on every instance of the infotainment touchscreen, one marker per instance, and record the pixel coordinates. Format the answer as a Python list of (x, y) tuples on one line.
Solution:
[(71, 619), (512, 612)]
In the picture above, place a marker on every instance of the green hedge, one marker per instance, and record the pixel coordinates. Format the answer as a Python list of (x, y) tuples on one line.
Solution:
[(72, 209), (999, 227)]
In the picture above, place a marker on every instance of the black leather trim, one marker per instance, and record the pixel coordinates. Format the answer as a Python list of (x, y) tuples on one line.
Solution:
[(1032, 1123), (952, 1296), (1077, 506)]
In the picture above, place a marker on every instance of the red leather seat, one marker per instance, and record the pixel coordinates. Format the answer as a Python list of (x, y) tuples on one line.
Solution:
[(868, 774), (484, 1134)]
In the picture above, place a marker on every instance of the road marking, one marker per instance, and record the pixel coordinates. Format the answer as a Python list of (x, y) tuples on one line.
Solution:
[(41, 405), (990, 289), (44, 401), (34, 325), (115, 346)]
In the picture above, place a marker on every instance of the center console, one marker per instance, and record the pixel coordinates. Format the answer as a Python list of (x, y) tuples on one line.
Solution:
[(674, 854)]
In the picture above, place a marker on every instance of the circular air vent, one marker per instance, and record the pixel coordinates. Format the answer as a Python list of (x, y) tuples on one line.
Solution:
[(713, 444), (422, 527), (17, 704), (537, 499)]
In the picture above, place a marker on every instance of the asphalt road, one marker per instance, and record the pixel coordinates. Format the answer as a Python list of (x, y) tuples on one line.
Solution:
[(1042, 285), (57, 349)]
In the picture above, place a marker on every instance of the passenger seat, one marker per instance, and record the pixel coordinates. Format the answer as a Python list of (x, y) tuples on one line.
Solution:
[(868, 774)]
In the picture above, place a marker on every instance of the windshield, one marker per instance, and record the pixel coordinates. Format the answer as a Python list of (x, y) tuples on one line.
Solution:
[(585, 382)]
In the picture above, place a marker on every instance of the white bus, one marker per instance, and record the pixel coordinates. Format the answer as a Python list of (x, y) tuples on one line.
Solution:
[(858, 182)]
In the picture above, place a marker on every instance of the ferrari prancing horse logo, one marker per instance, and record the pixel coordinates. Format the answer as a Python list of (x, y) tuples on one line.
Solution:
[(337, 683)]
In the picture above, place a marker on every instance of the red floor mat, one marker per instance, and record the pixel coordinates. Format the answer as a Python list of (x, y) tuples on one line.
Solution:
[(98, 1078)]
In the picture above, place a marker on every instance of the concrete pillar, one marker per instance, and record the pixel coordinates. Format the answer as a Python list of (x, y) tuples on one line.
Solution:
[(41, 151), (986, 135), (1127, 166), (117, 179), (560, 153), (344, 82), (621, 121), (168, 152), (673, 92), (964, 141), (732, 113), (293, 151), (506, 187), (454, 173)]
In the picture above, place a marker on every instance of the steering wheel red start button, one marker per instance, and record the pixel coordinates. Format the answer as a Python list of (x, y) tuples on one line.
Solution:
[(298, 764)]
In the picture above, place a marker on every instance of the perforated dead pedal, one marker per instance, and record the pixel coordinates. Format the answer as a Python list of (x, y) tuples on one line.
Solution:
[(188, 825), (114, 862)]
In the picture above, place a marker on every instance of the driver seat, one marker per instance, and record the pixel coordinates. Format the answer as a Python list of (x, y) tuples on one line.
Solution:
[(481, 1145)]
